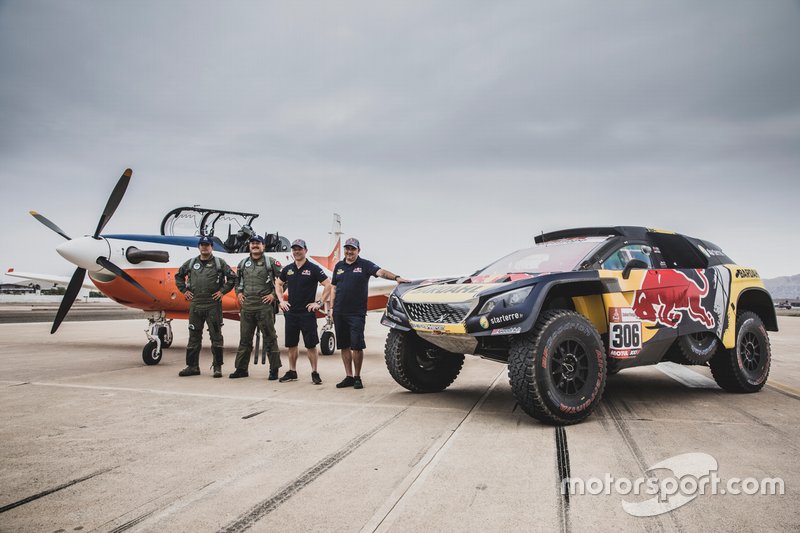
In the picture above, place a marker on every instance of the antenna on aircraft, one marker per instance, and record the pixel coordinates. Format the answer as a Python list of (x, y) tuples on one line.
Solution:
[(336, 230), (336, 234)]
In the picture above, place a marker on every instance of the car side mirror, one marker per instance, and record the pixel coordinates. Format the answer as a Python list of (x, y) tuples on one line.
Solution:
[(633, 263)]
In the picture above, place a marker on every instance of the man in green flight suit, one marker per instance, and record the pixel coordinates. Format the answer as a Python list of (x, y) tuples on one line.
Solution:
[(209, 279), (255, 289)]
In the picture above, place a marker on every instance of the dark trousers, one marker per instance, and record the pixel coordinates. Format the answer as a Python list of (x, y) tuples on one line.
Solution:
[(261, 318)]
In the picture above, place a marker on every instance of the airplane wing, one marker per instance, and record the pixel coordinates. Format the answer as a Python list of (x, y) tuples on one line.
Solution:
[(48, 279)]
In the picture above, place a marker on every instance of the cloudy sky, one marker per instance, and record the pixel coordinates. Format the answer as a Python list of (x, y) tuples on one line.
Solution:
[(445, 133)]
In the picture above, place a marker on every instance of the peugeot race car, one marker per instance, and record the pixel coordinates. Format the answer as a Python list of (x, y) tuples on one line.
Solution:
[(582, 304)]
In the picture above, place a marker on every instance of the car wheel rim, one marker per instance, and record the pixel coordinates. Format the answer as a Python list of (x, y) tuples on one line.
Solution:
[(427, 359), (701, 340), (750, 350), (569, 367)]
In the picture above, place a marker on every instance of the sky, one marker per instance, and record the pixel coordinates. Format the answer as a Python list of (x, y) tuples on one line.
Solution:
[(446, 134)]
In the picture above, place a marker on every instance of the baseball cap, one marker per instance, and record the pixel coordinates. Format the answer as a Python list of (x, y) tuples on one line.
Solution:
[(258, 238), (299, 242), (352, 242), (205, 239)]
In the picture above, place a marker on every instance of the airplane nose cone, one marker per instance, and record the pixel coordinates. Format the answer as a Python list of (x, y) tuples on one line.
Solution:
[(83, 252)]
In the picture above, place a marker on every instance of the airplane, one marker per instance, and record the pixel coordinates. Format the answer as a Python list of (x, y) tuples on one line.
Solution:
[(138, 271)]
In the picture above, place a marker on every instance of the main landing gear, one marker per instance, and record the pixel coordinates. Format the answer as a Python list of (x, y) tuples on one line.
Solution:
[(159, 335), (327, 341)]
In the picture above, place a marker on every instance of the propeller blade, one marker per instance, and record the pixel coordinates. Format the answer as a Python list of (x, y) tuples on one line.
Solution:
[(113, 201), (108, 265), (49, 224), (73, 289)]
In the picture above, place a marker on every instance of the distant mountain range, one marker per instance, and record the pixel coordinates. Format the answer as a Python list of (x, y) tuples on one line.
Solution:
[(785, 287)]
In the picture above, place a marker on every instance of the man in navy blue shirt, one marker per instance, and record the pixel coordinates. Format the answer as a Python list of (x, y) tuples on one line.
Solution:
[(301, 279), (350, 294)]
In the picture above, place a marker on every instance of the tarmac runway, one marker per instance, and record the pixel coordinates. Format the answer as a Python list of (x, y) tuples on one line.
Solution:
[(94, 440), (95, 309)]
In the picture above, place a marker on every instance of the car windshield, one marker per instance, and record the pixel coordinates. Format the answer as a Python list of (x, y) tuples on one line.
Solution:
[(556, 256)]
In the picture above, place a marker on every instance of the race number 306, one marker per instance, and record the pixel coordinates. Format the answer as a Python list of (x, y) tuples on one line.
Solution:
[(625, 335)]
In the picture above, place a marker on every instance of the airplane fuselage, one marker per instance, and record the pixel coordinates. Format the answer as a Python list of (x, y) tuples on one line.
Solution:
[(159, 277)]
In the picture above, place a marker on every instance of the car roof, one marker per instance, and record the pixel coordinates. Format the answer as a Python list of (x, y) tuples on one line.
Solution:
[(634, 232)]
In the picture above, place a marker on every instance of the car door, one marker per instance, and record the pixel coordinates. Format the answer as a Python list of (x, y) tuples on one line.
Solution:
[(633, 302)]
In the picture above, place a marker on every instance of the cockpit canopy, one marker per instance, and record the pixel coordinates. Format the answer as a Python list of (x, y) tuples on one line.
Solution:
[(232, 229)]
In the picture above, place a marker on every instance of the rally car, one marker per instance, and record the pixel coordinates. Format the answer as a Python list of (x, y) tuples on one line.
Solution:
[(582, 304)]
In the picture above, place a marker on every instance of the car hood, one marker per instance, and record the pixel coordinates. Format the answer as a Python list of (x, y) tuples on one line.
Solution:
[(460, 290)]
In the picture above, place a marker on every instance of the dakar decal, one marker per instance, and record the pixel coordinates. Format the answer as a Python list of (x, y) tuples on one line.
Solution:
[(624, 333), (694, 299)]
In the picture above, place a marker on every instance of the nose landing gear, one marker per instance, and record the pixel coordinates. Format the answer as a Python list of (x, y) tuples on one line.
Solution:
[(159, 335)]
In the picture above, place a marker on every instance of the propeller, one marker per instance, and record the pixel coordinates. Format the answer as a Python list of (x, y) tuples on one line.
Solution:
[(108, 265), (113, 201), (73, 289), (79, 275), (44, 220)]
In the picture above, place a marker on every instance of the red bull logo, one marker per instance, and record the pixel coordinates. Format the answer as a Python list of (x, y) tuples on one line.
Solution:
[(665, 293)]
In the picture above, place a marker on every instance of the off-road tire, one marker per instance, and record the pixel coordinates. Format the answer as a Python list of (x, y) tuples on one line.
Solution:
[(745, 367), (327, 343), (697, 348), (151, 355), (531, 368), (418, 365)]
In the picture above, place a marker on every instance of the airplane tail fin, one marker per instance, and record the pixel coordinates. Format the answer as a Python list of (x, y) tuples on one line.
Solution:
[(330, 261), (336, 254)]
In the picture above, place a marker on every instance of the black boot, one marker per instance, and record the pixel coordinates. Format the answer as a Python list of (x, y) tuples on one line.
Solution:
[(193, 357), (192, 364), (239, 373), (217, 365)]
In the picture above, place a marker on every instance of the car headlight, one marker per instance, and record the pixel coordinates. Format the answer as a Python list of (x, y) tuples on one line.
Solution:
[(396, 303), (508, 299)]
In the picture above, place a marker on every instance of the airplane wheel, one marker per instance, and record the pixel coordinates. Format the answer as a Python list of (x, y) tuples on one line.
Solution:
[(327, 343), (151, 355), (166, 337)]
